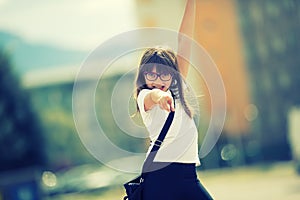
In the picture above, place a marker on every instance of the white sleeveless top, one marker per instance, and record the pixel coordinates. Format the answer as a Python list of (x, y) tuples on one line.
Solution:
[(181, 142)]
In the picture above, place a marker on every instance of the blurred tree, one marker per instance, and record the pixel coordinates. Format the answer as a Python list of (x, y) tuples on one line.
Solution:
[(21, 141), (63, 147), (270, 30)]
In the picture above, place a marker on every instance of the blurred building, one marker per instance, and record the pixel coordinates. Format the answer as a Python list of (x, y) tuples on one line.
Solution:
[(270, 30)]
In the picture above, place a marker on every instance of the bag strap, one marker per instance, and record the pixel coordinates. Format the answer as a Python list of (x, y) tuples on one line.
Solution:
[(158, 142)]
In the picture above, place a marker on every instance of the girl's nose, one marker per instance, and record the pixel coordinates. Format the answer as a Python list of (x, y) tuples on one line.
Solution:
[(158, 82)]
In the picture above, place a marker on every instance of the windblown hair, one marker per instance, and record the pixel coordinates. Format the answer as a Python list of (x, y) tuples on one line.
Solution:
[(165, 61)]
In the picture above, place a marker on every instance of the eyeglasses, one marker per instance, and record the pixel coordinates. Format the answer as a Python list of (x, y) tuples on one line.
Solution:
[(152, 76)]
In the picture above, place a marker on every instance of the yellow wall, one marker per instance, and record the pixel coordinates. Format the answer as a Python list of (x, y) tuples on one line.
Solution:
[(218, 31)]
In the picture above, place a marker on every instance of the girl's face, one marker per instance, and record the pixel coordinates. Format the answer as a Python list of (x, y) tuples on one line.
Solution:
[(156, 80)]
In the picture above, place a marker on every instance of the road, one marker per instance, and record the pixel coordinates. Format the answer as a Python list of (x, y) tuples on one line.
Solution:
[(260, 182), (272, 182)]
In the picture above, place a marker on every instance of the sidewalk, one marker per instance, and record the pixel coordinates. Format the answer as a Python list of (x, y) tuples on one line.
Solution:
[(266, 182), (276, 181)]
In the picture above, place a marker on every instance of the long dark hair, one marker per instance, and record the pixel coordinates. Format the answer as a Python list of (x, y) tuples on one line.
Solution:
[(165, 61)]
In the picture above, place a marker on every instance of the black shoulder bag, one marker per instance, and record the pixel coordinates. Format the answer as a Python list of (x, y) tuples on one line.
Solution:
[(134, 188)]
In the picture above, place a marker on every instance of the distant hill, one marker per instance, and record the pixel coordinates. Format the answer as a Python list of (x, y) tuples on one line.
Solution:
[(28, 57)]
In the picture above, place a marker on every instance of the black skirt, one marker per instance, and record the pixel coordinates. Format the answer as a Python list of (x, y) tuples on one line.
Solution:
[(174, 181)]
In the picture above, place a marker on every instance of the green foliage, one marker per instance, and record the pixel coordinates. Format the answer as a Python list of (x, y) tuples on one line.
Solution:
[(21, 142), (63, 147), (106, 119)]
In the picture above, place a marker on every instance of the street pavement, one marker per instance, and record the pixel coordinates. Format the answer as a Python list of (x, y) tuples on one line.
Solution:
[(276, 181), (264, 182)]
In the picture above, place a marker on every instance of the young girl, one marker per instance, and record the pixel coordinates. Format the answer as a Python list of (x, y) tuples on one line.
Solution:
[(159, 90)]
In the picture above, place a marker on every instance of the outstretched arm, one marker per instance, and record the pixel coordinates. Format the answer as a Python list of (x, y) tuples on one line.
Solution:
[(161, 98), (186, 31)]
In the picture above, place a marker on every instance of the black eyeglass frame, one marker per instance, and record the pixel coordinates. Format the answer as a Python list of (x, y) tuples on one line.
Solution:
[(157, 75)]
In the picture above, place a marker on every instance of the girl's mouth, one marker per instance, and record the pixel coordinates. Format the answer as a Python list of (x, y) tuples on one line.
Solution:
[(159, 87)]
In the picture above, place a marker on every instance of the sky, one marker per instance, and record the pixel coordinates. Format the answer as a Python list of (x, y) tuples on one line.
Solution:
[(71, 24)]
